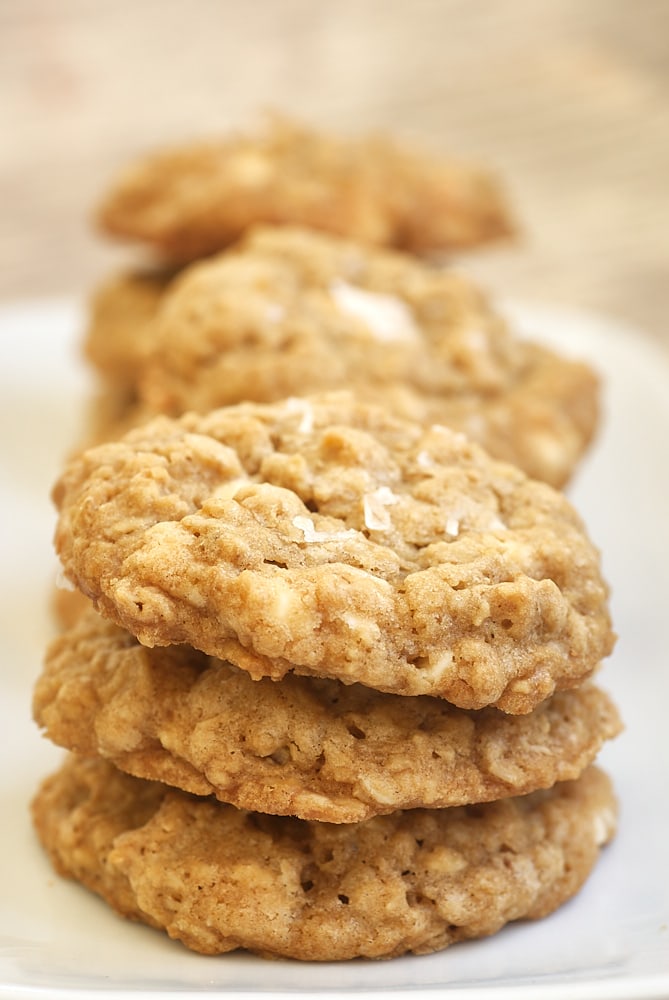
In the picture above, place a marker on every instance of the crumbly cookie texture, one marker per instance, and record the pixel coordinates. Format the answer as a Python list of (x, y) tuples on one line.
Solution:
[(291, 311), (218, 878), (312, 748), (324, 536), (191, 201)]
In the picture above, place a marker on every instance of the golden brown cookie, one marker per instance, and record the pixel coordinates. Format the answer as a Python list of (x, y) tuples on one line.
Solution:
[(117, 342), (326, 537), (312, 748), (118, 335), (191, 201), (291, 312), (67, 606), (218, 878)]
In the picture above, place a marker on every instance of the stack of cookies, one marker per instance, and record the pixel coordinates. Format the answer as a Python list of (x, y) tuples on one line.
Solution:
[(328, 688)]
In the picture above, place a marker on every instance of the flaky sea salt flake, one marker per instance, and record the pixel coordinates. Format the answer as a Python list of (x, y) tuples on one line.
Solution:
[(311, 533)]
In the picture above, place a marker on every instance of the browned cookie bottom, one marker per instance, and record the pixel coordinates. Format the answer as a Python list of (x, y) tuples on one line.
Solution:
[(218, 878)]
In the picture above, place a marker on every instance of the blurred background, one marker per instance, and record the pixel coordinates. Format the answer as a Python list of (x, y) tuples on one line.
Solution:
[(567, 100)]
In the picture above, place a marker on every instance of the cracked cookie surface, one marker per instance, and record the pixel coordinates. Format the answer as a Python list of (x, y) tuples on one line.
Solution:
[(317, 749), (326, 537), (191, 201), (218, 878)]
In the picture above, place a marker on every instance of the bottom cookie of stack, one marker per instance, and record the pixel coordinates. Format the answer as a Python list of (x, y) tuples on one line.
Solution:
[(218, 878)]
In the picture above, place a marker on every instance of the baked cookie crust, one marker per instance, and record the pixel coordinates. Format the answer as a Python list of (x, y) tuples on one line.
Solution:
[(218, 878), (328, 538)]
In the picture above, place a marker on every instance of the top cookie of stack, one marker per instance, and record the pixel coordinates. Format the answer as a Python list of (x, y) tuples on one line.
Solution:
[(192, 201), (313, 299)]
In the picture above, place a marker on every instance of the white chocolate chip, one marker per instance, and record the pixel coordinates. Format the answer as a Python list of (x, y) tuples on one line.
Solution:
[(437, 666), (377, 517), (425, 460), (604, 823), (303, 408), (452, 527), (387, 317)]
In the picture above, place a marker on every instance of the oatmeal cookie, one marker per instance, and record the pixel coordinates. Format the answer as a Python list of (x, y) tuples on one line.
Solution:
[(117, 342), (119, 324), (112, 410), (219, 878), (192, 201), (290, 312), (326, 537), (312, 748), (67, 606)]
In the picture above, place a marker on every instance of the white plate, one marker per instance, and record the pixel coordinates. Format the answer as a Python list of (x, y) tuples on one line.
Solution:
[(611, 941)]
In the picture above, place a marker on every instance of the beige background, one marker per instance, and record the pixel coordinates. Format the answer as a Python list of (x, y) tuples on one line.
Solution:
[(567, 99)]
